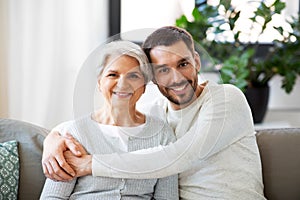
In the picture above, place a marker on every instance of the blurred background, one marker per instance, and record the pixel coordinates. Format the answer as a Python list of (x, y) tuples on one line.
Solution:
[(44, 43)]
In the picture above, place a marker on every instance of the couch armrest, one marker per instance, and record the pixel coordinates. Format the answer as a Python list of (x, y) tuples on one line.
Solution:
[(280, 155), (30, 147)]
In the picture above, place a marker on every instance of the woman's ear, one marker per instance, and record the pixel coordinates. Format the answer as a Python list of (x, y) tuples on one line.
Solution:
[(197, 61), (98, 83), (144, 88), (154, 80)]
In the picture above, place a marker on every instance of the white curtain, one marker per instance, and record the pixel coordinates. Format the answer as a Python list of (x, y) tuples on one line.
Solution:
[(48, 42), (3, 59)]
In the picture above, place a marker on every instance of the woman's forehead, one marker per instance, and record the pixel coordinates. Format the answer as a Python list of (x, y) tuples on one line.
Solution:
[(122, 62)]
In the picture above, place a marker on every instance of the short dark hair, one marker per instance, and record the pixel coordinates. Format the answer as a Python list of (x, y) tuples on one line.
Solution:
[(167, 36)]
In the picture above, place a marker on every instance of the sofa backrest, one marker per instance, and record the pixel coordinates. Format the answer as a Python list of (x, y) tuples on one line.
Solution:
[(279, 150), (30, 146), (280, 155)]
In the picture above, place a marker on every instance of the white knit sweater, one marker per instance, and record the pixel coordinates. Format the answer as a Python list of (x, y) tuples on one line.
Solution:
[(217, 154)]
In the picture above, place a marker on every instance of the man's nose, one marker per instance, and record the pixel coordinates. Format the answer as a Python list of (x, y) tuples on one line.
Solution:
[(177, 77)]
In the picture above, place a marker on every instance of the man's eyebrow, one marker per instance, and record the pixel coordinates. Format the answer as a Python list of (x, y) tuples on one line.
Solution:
[(187, 58), (184, 59)]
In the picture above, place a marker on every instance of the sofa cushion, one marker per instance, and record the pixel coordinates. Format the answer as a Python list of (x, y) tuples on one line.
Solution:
[(9, 170), (280, 154), (30, 146)]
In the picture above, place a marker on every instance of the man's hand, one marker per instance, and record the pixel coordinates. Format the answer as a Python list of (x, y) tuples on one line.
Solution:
[(81, 165), (54, 164)]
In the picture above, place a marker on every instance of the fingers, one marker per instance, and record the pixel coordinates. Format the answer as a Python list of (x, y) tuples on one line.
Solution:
[(69, 136), (64, 168), (82, 165), (74, 146), (54, 164), (53, 171)]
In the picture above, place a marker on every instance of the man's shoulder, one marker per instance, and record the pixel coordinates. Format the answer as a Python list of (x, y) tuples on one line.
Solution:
[(232, 89), (224, 92), (225, 97), (227, 88)]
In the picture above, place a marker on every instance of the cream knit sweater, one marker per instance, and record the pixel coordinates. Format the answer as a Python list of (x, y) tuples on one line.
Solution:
[(216, 154)]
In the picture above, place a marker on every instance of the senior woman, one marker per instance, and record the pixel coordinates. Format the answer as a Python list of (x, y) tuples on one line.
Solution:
[(117, 127)]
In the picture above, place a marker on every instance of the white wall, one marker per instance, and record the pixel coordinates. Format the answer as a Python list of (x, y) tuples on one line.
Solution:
[(279, 99), (141, 14)]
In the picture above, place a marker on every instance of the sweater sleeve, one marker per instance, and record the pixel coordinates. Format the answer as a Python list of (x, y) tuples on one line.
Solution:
[(223, 119), (57, 189), (167, 188)]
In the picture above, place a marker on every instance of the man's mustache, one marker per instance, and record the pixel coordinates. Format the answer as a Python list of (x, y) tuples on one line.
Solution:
[(179, 84)]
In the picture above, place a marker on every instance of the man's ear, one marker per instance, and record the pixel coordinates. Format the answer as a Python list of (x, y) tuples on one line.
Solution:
[(197, 61)]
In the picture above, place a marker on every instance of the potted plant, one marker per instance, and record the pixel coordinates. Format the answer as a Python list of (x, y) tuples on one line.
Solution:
[(236, 52)]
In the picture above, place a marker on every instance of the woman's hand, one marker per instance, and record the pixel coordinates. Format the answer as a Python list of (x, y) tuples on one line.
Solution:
[(81, 165), (54, 164)]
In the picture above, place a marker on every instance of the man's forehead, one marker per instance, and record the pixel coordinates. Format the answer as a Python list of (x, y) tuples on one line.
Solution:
[(173, 53), (179, 48)]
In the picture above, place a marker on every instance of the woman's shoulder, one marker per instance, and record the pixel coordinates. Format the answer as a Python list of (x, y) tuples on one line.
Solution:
[(64, 127), (71, 126)]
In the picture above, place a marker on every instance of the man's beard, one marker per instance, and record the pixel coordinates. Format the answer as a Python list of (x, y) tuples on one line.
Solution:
[(176, 99)]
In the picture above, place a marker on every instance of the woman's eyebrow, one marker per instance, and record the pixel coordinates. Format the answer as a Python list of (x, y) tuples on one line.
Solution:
[(111, 71), (155, 66), (135, 72)]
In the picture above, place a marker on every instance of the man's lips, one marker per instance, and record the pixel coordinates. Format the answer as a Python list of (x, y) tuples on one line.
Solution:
[(179, 89)]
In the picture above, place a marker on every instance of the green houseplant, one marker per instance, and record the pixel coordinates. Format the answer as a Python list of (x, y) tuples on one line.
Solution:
[(237, 55)]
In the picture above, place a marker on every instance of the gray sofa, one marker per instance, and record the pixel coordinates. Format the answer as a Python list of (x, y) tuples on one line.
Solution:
[(279, 148)]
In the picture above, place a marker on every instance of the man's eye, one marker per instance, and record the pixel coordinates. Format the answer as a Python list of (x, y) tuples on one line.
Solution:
[(183, 64)]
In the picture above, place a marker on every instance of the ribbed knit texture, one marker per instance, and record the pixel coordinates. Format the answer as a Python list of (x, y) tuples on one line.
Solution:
[(87, 132)]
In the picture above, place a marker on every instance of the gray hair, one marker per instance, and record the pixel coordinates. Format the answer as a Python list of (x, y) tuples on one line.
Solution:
[(120, 48)]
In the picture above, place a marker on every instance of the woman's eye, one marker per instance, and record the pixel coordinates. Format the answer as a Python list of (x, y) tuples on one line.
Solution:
[(111, 75), (163, 70), (134, 76)]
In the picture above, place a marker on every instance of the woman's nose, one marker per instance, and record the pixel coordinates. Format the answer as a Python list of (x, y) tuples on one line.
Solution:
[(121, 82)]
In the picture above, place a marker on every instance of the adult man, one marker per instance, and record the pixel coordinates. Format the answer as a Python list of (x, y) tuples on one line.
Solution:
[(216, 152)]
